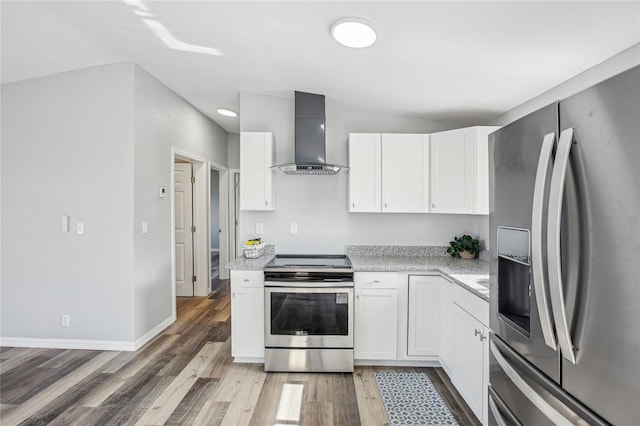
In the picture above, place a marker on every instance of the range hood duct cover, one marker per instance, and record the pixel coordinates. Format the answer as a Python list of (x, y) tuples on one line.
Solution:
[(310, 138)]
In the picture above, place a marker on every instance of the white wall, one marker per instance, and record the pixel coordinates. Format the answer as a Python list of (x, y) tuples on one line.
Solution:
[(162, 120), (67, 149), (94, 144), (623, 61), (318, 204), (233, 151)]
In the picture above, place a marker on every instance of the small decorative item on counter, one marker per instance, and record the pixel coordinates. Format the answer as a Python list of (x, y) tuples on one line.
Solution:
[(465, 247), (254, 248)]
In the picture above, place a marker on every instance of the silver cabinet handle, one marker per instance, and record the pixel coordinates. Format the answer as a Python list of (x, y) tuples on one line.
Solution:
[(477, 332), (358, 297), (553, 244), (376, 282), (266, 203), (433, 204), (233, 295), (246, 280), (353, 205), (537, 260), (537, 400), (483, 337), (385, 205)]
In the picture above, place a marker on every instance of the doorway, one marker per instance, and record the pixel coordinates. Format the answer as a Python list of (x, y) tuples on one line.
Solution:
[(215, 229), (184, 229), (201, 170)]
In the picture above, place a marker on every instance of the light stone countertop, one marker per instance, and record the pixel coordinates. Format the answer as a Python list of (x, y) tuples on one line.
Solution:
[(465, 273), (245, 264)]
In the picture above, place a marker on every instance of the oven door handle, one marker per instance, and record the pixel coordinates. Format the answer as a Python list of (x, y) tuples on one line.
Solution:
[(309, 285)]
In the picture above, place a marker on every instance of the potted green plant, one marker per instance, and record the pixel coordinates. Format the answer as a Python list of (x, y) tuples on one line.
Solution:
[(465, 247)]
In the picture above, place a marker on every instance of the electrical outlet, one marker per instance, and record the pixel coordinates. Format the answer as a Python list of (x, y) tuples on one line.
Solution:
[(80, 228), (66, 320), (293, 228), (259, 228)]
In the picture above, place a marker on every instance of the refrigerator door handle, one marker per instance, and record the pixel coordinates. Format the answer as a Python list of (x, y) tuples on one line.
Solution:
[(556, 288), (496, 413), (552, 414), (537, 225)]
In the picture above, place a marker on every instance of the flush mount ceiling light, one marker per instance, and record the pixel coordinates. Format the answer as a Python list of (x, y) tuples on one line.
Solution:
[(227, 112), (353, 32)]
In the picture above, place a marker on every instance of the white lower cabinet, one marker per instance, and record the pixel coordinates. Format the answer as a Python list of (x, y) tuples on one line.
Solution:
[(423, 329), (247, 314), (376, 316), (470, 360), (447, 326)]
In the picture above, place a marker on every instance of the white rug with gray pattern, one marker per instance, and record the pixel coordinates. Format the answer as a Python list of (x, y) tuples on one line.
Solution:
[(411, 399)]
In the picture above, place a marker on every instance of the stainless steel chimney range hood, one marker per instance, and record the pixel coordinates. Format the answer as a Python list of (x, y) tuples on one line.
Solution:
[(310, 138)]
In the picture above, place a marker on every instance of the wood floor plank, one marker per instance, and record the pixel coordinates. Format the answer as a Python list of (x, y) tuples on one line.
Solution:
[(59, 405), (193, 402), (11, 359), (220, 363), (41, 399), (97, 396), (73, 415), (212, 413), (319, 413), (133, 399), (240, 386), (370, 404), (169, 400), (268, 400), (345, 402)]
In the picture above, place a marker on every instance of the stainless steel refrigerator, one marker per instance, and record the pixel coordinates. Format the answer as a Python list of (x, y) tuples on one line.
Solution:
[(565, 261)]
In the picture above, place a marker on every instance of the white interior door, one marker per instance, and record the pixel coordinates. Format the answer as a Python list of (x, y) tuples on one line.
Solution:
[(183, 197)]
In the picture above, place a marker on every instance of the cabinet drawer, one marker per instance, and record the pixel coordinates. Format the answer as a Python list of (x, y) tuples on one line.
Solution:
[(247, 278), (376, 280), (471, 303)]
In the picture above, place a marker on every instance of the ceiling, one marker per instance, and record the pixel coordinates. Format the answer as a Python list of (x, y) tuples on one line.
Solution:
[(460, 62)]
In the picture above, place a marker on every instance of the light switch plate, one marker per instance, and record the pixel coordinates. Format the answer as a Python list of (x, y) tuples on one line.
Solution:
[(145, 227), (259, 228), (293, 228), (80, 228), (65, 223)]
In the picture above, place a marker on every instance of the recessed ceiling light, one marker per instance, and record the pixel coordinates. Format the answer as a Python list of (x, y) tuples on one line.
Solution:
[(227, 112), (354, 32)]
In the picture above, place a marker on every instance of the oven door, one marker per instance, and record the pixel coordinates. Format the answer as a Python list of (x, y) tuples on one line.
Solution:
[(308, 317)]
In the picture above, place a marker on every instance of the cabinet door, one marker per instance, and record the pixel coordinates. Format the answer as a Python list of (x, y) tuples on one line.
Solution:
[(453, 171), (247, 321), (256, 178), (469, 363), (447, 326), (424, 315), (405, 178), (364, 172), (376, 324)]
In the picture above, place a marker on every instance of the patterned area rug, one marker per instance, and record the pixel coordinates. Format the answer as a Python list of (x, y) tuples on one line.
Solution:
[(411, 399)]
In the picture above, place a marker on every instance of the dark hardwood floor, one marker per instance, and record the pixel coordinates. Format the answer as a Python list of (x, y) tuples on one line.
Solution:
[(186, 376)]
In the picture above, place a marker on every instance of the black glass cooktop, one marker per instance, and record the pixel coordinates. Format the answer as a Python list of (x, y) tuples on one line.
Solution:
[(309, 260)]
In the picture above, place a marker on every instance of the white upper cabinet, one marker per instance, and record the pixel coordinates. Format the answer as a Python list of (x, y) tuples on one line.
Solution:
[(256, 156), (459, 171), (364, 172), (405, 173)]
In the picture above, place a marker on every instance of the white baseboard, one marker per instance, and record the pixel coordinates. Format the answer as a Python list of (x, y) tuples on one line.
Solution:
[(98, 345), (153, 332)]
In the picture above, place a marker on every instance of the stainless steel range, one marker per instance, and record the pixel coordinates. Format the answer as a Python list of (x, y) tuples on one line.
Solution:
[(309, 313)]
